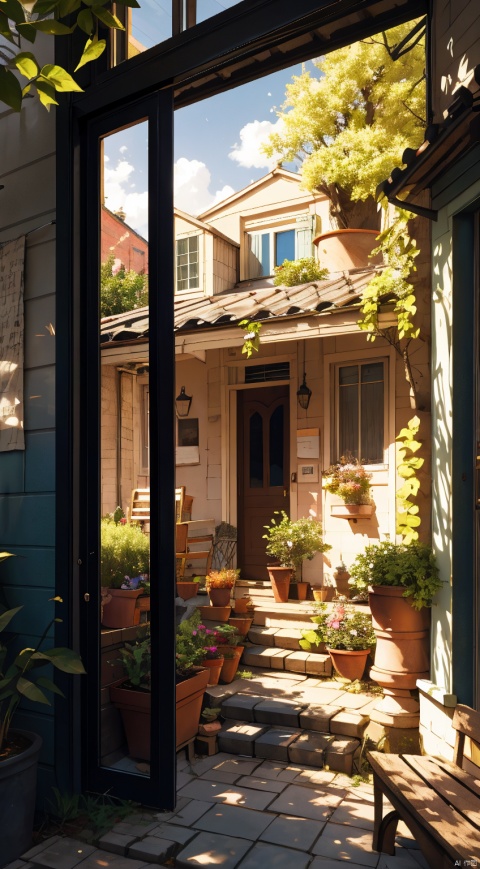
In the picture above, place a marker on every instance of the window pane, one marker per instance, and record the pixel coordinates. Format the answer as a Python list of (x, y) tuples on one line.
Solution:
[(149, 25), (372, 424), (372, 373), (256, 451), (276, 447), (207, 8), (284, 246), (348, 375), (187, 263), (348, 421), (258, 254)]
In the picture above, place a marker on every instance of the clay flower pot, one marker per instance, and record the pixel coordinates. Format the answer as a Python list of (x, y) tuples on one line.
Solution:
[(214, 666), (302, 590), (186, 590), (346, 249), (280, 579), (349, 663), (215, 613), (219, 596), (124, 608), (320, 594), (242, 625), (230, 665)]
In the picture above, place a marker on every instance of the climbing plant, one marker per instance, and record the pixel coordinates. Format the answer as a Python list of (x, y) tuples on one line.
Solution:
[(251, 339), (407, 517)]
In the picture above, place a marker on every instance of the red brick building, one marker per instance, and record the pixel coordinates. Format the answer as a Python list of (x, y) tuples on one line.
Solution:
[(128, 247)]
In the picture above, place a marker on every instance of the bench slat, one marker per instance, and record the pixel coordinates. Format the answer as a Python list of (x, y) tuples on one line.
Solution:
[(449, 829), (473, 784), (445, 784)]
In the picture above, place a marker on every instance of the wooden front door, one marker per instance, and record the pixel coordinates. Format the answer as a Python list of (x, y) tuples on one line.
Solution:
[(263, 471)]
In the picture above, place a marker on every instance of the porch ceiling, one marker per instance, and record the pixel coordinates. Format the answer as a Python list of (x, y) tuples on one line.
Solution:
[(276, 305)]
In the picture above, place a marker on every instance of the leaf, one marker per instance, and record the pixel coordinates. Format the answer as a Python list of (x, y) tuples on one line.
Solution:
[(91, 51), (5, 29), (59, 78), (46, 93), (66, 7), (86, 23), (49, 685), (64, 659), (107, 18), (7, 616), (26, 64), (131, 3), (31, 692), (14, 11), (43, 7), (51, 26)]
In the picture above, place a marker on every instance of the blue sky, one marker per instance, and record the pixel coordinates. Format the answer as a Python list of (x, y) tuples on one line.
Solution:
[(217, 150)]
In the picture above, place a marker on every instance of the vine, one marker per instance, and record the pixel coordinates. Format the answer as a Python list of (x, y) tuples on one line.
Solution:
[(407, 517), (251, 339)]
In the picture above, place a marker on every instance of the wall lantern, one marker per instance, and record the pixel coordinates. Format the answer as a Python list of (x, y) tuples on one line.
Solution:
[(182, 403), (304, 394)]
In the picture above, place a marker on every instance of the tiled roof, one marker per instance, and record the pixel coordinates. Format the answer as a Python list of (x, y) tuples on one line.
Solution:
[(265, 303)]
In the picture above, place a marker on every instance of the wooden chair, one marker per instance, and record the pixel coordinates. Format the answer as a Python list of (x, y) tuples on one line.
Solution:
[(184, 550), (140, 506)]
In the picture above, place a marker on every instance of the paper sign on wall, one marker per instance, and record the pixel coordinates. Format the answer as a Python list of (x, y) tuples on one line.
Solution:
[(308, 443)]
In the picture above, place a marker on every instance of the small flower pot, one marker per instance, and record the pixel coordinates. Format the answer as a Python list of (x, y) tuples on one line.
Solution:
[(240, 605), (186, 590), (124, 607), (320, 594), (215, 613), (349, 664), (230, 665), (302, 590), (280, 579), (242, 625), (219, 596), (214, 666)]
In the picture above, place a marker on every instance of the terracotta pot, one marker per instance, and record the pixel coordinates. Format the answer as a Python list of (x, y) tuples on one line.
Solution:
[(242, 625), (280, 578), (302, 590), (214, 666), (219, 596), (186, 590), (135, 709), (349, 664), (320, 594), (124, 608), (345, 249), (215, 613), (230, 665), (240, 605), (391, 611)]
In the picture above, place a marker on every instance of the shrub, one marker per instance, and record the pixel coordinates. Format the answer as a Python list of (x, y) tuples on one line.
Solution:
[(410, 565), (293, 542), (299, 271), (125, 552)]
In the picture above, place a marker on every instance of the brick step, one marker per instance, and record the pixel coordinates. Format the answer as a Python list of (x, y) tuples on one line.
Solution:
[(281, 637), (299, 714), (289, 744), (275, 658)]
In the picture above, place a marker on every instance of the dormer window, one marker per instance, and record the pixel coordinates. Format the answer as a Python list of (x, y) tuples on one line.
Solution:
[(188, 272), (270, 248)]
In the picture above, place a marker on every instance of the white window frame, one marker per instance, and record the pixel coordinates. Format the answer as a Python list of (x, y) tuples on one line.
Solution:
[(182, 237), (335, 447), (297, 223)]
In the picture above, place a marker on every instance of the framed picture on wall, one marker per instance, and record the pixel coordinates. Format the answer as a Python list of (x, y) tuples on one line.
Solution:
[(188, 452)]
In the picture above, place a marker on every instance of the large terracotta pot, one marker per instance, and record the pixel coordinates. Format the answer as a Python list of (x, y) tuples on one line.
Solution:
[(220, 596), (215, 614), (125, 607), (230, 665), (349, 663), (214, 666), (345, 249), (18, 788), (135, 709), (186, 590), (280, 579), (242, 625)]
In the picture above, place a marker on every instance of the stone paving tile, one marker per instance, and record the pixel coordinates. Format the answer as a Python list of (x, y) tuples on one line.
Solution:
[(314, 777), (355, 701), (271, 687), (183, 778), (228, 778), (19, 864), (61, 853), (235, 821), (355, 813), (259, 674), (105, 860), (262, 856), (117, 843), (277, 769), (325, 863), (209, 849), (322, 696), (201, 766), (403, 859), (262, 784), (178, 834), (293, 832), (315, 803), (137, 831), (190, 813), (274, 744), (339, 841), (231, 794), (152, 849), (237, 765)]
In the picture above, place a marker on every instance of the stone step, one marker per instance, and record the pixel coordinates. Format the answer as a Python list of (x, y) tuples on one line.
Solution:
[(277, 658), (289, 744), (284, 637)]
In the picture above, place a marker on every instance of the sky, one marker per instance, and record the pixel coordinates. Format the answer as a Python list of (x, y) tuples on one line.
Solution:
[(216, 150)]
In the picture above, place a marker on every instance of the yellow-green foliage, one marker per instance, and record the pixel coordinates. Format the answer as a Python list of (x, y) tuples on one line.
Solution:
[(350, 122), (251, 341), (408, 519), (299, 271)]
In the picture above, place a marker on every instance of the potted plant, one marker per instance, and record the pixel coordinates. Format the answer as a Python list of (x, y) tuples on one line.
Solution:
[(22, 678), (402, 580), (349, 480), (220, 584), (124, 569), (231, 646), (133, 695), (212, 658), (348, 636), (291, 542)]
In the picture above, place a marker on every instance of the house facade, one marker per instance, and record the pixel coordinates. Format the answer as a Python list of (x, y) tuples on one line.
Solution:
[(50, 492)]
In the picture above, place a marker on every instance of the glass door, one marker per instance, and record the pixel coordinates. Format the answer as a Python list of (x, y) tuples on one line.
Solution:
[(127, 488)]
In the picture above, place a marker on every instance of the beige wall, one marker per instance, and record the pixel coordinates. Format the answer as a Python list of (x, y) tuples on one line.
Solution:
[(218, 259), (455, 49)]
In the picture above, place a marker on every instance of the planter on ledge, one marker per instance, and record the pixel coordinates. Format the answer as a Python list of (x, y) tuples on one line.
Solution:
[(124, 607), (352, 511), (215, 613), (186, 590)]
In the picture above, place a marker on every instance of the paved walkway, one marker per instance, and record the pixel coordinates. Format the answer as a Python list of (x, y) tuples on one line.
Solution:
[(246, 813)]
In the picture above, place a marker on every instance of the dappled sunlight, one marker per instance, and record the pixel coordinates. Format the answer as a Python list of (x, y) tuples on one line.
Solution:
[(208, 858)]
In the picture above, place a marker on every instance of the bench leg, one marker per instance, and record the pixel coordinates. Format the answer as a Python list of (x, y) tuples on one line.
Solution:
[(384, 828)]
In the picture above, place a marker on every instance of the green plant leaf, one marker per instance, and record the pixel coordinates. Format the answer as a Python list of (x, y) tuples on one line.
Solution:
[(63, 659), (5, 28), (10, 89), (133, 4), (31, 692), (91, 51), (26, 64), (51, 26), (6, 617), (49, 685), (86, 23), (66, 7), (107, 18), (43, 7), (46, 93), (59, 78)]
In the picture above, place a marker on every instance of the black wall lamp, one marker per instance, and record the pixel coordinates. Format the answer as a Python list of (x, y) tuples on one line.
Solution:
[(182, 403), (304, 393)]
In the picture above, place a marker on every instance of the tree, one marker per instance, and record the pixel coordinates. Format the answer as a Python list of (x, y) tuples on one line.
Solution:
[(122, 291), (348, 125), (20, 23)]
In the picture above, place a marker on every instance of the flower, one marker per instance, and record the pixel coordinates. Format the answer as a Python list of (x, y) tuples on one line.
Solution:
[(224, 578), (349, 480), (344, 628)]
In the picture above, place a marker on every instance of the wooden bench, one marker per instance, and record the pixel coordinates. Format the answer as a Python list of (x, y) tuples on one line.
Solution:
[(439, 801), (192, 548)]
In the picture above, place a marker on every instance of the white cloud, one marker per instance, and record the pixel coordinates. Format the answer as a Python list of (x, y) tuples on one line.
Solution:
[(191, 180), (123, 149), (120, 193), (252, 136)]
